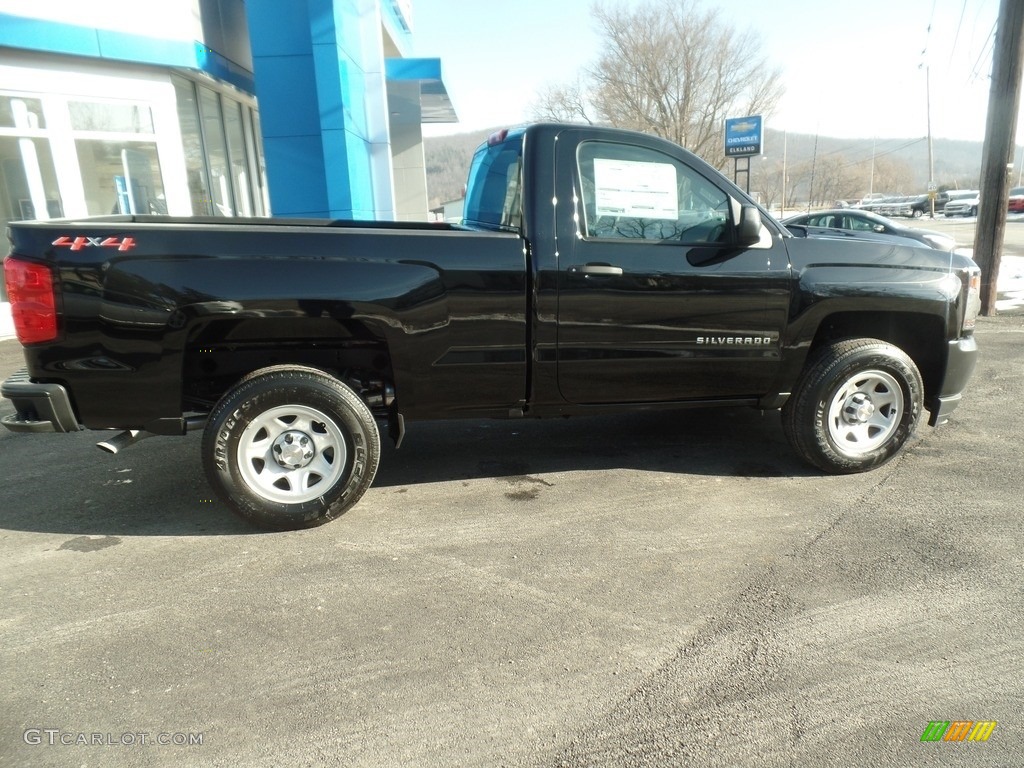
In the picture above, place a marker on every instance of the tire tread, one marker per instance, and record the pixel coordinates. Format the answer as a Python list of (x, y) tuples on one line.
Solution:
[(276, 516), (799, 415)]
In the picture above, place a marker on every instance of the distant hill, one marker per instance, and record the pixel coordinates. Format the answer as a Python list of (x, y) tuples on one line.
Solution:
[(957, 163), (447, 159)]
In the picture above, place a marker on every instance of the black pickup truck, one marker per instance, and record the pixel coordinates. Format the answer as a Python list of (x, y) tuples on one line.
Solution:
[(595, 270)]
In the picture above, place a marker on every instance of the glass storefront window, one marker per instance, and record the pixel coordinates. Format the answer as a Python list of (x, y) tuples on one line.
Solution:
[(110, 118), (114, 144), (192, 142), (120, 177), (20, 112), (261, 166), (236, 151), (223, 154), (28, 182), (120, 174), (216, 152)]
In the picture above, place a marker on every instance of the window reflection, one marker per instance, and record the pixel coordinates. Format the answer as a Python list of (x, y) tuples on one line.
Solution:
[(236, 149), (192, 143), (21, 112), (263, 196), (110, 118), (216, 152), (121, 177), (642, 194), (28, 183)]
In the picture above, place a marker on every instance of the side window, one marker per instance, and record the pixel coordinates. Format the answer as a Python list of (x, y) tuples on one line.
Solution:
[(861, 224), (642, 194)]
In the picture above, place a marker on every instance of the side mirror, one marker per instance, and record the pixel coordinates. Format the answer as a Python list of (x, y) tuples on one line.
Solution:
[(749, 230), (879, 228)]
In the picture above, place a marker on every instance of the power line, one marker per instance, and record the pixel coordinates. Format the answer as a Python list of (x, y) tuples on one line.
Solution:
[(975, 75), (877, 155), (861, 148), (956, 37), (928, 31)]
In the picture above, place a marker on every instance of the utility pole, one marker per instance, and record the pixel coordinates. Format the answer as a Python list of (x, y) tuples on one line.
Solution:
[(1000, 132), (871, 184), (931, 157), (814, 162), (785, 144)]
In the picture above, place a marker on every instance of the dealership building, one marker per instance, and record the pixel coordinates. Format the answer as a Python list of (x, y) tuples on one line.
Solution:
[(213, 108)]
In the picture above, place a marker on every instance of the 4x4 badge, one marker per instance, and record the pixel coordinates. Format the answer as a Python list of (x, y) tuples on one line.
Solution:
[(78, 243)]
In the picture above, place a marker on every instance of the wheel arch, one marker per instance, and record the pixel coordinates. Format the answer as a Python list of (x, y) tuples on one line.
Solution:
[(921, 336), (225, 351)]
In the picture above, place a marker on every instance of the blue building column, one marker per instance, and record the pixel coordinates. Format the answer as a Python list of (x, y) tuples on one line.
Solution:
[(320, 84)]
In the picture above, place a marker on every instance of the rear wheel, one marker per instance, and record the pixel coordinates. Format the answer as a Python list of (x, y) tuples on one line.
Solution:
[(290, 447), (856, 405)]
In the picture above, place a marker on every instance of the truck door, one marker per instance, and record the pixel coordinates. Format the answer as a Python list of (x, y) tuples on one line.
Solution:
[(656, 300)]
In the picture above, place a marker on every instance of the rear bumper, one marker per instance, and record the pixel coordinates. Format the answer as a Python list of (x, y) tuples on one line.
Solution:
[(963, 357), (39, 407)]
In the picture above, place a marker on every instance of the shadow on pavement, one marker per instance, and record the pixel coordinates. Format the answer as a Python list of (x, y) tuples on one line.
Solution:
[(63, 483)]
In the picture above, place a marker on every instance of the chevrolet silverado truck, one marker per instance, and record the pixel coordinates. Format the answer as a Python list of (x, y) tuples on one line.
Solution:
[(595, 270)]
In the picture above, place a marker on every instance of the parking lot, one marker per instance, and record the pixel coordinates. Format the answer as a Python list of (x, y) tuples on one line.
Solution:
[(652, 589)]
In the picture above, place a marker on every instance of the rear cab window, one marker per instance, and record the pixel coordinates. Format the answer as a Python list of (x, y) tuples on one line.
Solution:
[(494, 192)]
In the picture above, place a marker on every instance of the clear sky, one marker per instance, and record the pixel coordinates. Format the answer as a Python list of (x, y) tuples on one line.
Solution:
[(852, 69)]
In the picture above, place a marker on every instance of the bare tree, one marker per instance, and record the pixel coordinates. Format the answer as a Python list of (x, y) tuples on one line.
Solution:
[(834, 180), (563, 103), (670, 68), (798, 184), (894, 176), (767, 183)]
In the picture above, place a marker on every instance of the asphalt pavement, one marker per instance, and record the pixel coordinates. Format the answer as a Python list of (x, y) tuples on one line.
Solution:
[(648, 589)]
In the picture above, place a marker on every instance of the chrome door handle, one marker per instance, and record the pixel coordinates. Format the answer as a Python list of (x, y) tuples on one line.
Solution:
[(600, 269)]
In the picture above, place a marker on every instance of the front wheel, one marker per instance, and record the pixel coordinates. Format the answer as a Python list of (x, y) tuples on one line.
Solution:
[(290, 447), (856, 405)]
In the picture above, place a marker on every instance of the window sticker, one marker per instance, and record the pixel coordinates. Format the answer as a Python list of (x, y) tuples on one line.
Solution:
[(635, 189)]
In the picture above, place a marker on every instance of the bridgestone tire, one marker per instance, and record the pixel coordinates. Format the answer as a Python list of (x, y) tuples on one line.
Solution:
[(290, 447), (855, 406)]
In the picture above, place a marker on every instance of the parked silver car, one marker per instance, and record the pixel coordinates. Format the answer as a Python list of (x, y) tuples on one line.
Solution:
[(844, 222)]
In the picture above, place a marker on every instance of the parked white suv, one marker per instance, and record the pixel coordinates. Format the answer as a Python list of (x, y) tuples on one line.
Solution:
[(962, 202)]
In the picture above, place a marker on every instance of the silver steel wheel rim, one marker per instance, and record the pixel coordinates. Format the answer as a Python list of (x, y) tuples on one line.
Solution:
[(865, 412), (277, 465)]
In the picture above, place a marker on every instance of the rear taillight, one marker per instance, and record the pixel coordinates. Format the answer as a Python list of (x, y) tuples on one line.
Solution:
[(33, 304)]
